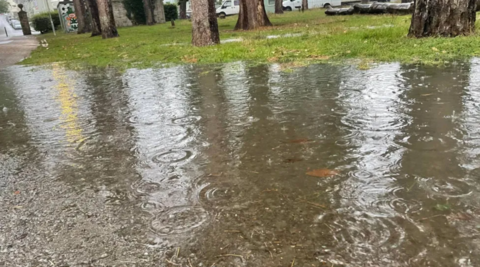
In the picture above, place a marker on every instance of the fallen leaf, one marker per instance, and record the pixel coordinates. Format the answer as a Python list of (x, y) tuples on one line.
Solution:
[(435, 49), (322, 173), (319, 57), (273, 59), (16, 192)]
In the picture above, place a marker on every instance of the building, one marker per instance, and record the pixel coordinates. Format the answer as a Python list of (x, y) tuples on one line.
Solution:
[(33, 7), (13, 10)]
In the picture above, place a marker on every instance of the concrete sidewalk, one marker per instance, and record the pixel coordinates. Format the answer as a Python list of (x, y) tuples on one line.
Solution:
[(15, 49)]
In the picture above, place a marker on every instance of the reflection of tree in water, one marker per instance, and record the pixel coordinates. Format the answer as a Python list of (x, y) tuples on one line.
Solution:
[(269, 219), (431, 179), (13, 129), (364, 225), (104, 157)]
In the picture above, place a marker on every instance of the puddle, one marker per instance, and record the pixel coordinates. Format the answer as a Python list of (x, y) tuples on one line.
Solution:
[(208, 165)]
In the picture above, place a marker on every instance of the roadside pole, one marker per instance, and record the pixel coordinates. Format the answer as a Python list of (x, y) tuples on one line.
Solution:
[(51, 20)]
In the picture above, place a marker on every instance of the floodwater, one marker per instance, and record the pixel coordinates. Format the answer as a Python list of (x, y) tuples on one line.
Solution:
[(207, 166)]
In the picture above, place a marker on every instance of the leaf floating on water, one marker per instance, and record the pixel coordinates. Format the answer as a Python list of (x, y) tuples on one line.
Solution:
[(322, 173)]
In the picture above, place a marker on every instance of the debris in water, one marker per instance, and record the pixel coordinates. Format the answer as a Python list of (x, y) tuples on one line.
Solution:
[(322, 173), (300, 141), (292, 160)]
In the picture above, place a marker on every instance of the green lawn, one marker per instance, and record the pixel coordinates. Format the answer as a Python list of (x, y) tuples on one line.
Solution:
[(315, 38)]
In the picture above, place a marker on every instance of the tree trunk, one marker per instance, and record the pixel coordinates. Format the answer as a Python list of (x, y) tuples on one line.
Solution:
[(81, 15), (252, 15), (107, 21), (96, 28), (278, 6), (158, 11), (304, 5), (87, 16), (148, 8), (183, 9), (447, 18), (204, 23)]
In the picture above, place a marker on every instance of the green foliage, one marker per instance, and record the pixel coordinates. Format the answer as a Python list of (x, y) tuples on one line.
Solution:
[(171, 12), (4, 6), (41, 22), (135, 11), (313, 38)]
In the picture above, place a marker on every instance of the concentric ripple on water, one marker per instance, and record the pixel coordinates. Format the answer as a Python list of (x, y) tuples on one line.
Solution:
[(173, 156), (179, 220)]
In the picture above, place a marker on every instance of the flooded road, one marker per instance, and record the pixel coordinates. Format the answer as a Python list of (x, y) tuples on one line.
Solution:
[(237, 165)]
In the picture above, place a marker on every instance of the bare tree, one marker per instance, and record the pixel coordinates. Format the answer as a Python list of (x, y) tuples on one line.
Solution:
[(446, 18), (82, 17), (278, 6), (148, 8), (107, 21), (304, 5), (93, 7), (204, 23), (252, 15)]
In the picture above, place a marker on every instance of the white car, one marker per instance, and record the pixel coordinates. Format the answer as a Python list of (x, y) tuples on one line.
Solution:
[(16, 24), (228, 8), (290, 5)]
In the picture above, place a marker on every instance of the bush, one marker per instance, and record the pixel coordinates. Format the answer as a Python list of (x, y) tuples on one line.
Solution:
[(171, 12), (135, 11), (41, 22)]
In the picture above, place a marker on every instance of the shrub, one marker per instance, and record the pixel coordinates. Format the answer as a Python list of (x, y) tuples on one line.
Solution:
[(171, 12), (41, 22), (135, 11)]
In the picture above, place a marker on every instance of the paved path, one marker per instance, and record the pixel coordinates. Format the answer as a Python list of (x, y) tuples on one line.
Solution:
[(15, 46), (15, 49)]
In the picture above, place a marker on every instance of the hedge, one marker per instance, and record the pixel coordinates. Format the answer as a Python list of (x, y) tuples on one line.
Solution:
[(171, 12), (41, 22)]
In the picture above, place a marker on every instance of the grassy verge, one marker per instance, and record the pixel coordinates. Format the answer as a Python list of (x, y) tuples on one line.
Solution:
[(304, 38)]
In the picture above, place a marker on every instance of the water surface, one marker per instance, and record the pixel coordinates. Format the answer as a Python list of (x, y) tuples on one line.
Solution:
[(207, 166)]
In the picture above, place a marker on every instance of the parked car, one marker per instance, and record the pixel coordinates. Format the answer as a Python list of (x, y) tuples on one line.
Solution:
[(228, 8), (16, 24), (290, 5)]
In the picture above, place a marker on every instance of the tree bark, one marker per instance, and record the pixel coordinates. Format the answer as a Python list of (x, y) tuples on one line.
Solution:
[(107, 21), (304, 5), (204, 23), (252, 15), (81, 16), (278, 6), (158, 11), (148, 8), (96, 28), (183, 9), (87, 16), (447, 18)]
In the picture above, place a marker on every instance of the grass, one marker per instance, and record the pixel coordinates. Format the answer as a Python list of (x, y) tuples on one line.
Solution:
[(316, 38)]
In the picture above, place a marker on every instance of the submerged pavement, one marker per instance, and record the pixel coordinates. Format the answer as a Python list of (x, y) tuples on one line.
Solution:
[(240, 165)]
